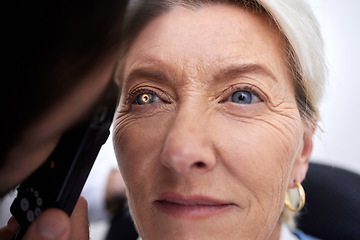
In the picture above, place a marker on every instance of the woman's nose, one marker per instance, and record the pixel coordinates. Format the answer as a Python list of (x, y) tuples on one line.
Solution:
[(187, 148)]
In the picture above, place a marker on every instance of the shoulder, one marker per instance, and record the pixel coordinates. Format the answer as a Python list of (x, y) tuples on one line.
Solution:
[(294, 234), (302, 236)]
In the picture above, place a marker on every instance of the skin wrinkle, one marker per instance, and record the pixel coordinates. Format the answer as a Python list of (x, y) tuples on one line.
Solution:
[(279, 130), (151, 63), (275, 126), (263, 210), (272, 205)]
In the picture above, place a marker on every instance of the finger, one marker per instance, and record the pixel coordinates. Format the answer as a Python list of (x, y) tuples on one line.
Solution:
[(5, 234), (80, 220), (51, 224), (9, 231)]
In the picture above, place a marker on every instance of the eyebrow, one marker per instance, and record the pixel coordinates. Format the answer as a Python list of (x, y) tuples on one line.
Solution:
[(148, 73), (243, 69), (229, 72), (151, 70)]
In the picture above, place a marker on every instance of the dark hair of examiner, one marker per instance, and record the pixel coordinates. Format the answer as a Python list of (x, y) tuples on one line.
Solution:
[(47, 46)]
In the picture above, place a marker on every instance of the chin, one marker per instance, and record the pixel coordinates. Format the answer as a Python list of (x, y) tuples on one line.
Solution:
[(228, 225)]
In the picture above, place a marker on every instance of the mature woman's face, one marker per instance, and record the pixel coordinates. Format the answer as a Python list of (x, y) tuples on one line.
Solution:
[(208, 134)]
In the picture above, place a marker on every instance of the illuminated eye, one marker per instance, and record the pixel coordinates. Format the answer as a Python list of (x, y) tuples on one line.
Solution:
[(244, 97), (145, 98)]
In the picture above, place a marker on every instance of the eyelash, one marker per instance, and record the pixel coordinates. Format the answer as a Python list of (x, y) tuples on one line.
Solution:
[(251, 90)]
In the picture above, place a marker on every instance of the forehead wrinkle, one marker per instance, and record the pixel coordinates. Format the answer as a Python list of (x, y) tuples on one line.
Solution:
[(176, 72), (236, 70), (190, 70)]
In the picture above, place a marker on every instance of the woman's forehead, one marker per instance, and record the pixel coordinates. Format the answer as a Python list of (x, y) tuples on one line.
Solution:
[(212, 38), (210, 25)]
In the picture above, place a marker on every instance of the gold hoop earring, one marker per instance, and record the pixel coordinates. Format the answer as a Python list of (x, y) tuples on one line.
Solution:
[(301, 192)]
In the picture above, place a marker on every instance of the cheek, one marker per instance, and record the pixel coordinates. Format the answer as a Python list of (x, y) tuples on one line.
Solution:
[(259, 154), (137, 143), (263, 143)]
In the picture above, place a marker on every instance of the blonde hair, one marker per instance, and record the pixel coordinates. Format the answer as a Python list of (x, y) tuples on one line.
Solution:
[(301, 29), (294, 19)]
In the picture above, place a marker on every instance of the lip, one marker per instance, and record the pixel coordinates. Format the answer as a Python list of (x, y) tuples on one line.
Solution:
[(192, 206)]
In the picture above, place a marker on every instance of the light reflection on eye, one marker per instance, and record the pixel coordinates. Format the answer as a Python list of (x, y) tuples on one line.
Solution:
[(244, 97)]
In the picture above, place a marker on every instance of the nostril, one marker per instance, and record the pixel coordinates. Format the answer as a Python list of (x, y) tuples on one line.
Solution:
[(199, 164)]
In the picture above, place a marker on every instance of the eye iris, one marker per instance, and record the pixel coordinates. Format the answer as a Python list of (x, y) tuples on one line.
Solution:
[(243, 97)]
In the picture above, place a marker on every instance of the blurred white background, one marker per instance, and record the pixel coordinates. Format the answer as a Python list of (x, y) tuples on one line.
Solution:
[(339, 142)]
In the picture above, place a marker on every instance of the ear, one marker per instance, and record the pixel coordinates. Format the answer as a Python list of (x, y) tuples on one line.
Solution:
[(301, 162)]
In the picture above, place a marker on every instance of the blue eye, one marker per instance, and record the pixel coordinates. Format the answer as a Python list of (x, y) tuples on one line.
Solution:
[(146, 98), (244, 97)]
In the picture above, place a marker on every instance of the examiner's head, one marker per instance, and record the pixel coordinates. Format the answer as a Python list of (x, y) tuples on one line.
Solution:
[(58, 59)]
